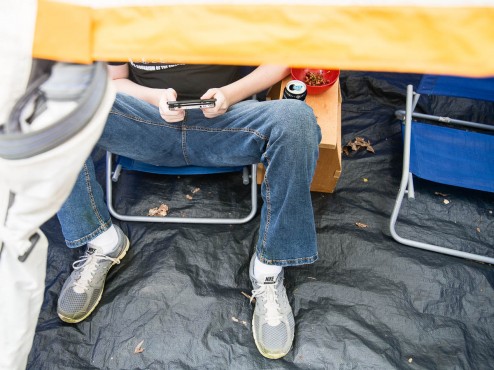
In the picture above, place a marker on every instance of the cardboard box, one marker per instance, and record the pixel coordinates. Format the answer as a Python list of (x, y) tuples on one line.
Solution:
[(327, 108)]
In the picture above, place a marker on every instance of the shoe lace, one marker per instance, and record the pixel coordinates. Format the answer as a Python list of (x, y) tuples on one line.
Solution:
[(87, 266), (272, 307)]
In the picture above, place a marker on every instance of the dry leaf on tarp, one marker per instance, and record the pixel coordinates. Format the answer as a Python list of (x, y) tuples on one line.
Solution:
[(196, 190), (440, 194), (160, 211), (139, 348), (361, 225), (357, 144), (251, 299)]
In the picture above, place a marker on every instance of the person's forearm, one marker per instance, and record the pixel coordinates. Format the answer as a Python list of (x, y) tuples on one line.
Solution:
[(147, 94), (260, 79)]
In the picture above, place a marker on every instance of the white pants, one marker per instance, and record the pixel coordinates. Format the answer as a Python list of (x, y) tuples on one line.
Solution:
[(32, 189), (40, 184)]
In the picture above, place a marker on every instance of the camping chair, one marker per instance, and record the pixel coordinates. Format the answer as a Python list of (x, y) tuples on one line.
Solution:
[(428, 140), (248, 174)]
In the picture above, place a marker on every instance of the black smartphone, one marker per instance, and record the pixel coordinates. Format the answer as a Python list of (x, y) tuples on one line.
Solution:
[(191, 104)]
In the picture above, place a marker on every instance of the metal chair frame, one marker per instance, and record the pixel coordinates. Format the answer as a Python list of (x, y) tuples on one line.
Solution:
[(406, 184), (249, 174)]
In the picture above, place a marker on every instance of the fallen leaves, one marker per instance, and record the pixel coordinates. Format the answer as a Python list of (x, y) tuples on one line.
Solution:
[(196, 190), (445, 201), (139, 348), (361, 225), (250, 298), (160, 211), (243, 322), (440, 194), (357, 144)]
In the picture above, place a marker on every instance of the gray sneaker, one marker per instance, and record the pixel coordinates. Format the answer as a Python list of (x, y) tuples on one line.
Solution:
[(82, 291), (273, 324)]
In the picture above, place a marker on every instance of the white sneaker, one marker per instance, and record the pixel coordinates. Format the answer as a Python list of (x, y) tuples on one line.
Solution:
[(83, 289), (273, 324)]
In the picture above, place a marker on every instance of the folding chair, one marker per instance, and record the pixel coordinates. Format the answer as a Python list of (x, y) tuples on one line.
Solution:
[(248, 173), (428, 142)]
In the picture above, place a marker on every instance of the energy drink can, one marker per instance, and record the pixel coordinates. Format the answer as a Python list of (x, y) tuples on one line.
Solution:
[(295, 89)]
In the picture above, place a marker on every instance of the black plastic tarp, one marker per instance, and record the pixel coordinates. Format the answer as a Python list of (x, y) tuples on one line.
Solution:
[(367, 303)]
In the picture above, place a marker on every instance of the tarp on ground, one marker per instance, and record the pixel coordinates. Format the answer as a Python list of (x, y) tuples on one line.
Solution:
[(367, 303)]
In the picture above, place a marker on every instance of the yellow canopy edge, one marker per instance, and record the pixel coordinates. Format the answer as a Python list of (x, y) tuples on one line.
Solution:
[(63, 32), (443, 40)]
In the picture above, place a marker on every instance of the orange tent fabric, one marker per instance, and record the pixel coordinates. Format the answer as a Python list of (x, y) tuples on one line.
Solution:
[(395, 36)]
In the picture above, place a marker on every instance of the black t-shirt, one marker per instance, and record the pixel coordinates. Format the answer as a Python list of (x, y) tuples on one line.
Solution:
[(190, 81)]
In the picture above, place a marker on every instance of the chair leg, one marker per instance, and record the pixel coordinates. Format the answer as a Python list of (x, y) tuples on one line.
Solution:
[(245, 176), (410, 188), (116, 173)]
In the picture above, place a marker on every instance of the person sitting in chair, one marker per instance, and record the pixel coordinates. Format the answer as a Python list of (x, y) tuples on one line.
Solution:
[(281, 134)]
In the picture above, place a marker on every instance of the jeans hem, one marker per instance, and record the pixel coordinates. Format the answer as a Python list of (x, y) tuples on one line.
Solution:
[(87, 238), (288, 262)]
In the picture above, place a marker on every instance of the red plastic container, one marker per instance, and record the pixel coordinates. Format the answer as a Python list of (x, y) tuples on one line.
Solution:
[(330, 75)]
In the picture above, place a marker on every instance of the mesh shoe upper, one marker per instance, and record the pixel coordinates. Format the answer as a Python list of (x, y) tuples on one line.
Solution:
[(273, 323), (83, 289)]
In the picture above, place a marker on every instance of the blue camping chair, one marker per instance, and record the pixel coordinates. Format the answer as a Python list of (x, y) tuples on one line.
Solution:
[(428, 143), (248, 173), (113, 173)]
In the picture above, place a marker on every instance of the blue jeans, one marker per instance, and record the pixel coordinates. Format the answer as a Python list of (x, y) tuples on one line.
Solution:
[(282, 134)]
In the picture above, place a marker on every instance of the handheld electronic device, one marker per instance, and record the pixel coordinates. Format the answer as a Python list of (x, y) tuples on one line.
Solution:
[(191, 104)]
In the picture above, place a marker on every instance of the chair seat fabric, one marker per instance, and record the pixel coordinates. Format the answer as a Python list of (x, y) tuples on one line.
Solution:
[(133, 165), (452, 156)]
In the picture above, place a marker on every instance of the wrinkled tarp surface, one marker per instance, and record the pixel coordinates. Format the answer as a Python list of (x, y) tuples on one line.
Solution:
[(367, 303)]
